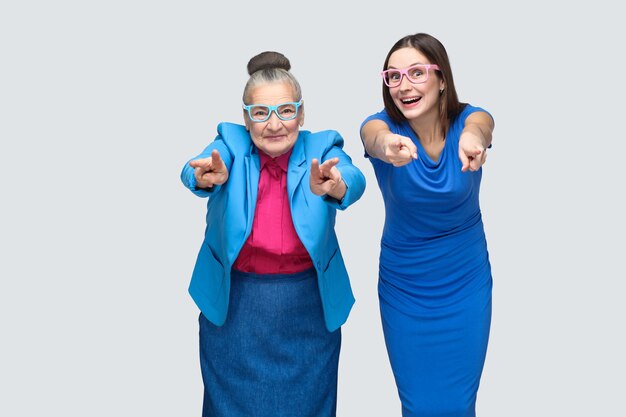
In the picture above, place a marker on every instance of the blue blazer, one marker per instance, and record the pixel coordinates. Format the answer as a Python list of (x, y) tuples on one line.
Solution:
[(230, 212)]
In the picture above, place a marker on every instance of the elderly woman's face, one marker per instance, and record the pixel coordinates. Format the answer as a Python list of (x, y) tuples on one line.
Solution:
[(274, 136)]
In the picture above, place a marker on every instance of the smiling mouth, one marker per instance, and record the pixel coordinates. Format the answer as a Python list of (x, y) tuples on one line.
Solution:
[(410, 100)]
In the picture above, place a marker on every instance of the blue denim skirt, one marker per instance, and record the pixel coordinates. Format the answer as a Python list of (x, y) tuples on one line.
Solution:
[(273, 357)]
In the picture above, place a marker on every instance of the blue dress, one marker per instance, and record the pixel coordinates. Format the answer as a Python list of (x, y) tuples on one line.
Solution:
[(435, 278)]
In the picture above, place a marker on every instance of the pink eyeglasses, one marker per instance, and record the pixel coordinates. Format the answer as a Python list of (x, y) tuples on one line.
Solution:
[(417, 74)]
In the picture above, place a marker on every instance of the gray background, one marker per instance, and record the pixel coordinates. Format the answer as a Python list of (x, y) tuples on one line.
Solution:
[(101, 103)]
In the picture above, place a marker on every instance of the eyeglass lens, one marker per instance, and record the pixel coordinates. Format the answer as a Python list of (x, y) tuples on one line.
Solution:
[(417, 74), (287, 111)]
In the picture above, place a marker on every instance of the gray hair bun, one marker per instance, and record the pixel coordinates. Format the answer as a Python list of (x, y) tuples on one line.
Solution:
[(268, 60)]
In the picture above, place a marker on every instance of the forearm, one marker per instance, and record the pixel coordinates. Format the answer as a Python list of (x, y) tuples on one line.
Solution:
[(354, 182), (479, 126), (188, 174), (373, 136), (483, 135), (188, 178)]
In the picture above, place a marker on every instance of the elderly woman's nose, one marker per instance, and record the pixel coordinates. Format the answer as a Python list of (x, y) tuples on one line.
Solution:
[(274, 122)]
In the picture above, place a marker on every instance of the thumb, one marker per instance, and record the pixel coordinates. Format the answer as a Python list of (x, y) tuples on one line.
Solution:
[(465, 162)]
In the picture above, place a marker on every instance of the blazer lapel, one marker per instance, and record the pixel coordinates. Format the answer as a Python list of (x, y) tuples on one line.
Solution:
[(297, 167), (253, 170)]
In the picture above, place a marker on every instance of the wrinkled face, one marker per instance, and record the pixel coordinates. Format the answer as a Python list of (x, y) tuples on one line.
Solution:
[(274, 136), (415, 100)]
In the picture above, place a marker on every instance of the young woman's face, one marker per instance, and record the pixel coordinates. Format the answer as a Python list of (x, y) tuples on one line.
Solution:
[(274, 136), (415, 100)]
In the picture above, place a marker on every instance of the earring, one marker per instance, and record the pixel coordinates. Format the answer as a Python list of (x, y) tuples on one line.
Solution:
[(441, 90)]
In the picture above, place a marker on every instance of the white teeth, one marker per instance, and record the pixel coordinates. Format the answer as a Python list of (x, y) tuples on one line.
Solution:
[(410, 100)]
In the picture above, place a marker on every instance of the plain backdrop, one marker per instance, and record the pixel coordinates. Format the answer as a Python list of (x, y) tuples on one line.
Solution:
[(102, 102)]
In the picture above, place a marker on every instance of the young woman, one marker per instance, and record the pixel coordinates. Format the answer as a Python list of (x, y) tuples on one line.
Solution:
[(435, 282)]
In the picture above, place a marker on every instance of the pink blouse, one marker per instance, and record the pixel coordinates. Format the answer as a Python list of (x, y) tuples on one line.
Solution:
[(273, 246)]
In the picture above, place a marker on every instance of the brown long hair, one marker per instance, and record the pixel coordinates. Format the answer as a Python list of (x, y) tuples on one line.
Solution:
[(431, 48)]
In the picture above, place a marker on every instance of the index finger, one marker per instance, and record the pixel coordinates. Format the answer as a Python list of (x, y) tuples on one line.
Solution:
[(200, 163), (315, 165), (329, 163), (465, 161), (216, 159)]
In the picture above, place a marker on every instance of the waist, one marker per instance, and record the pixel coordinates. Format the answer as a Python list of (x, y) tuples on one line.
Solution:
[(293, 277), (408, 237)]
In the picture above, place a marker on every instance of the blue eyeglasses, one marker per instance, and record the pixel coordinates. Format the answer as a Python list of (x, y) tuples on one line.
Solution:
[(260, 112)]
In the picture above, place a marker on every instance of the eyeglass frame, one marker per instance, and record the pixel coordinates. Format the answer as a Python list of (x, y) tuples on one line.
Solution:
[(271, 109), (404, 72)]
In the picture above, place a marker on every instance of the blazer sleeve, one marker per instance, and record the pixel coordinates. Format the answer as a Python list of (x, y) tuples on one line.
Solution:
[(187, 175), (351, 175)]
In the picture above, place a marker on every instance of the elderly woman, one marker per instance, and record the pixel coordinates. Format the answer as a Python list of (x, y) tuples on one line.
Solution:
[(270, 280)]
